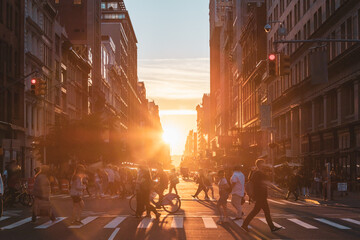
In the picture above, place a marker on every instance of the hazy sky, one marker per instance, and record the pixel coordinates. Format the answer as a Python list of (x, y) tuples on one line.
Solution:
[(173, 52)]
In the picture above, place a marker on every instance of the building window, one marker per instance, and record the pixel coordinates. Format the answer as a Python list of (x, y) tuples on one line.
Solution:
[(47, 56), (349, 31), (103, 5), (315, 21), (343, 36), (319, 16), (57, 45)]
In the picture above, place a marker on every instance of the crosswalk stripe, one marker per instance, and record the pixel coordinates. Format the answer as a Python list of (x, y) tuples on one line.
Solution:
[(17, 224), (209, 222), (3, 218), (351, 220), (276, 225), (336, 225), (177, 222), (273, 201), (50, 223), (301, 223), (293, 203), (84, 222), (113, 235), (115, 222), (145, 223)]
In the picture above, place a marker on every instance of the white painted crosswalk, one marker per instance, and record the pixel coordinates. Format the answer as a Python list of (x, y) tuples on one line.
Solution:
[(84, 222), (333, 224), (179, 222)]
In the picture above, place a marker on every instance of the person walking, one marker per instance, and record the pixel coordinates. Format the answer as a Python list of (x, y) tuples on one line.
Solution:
[(202, 186), (224, 191), (237, 193), (174, 180), (260, 184), (98, 184), (41, 193), (76, 193), (209, 184), (292, 186)]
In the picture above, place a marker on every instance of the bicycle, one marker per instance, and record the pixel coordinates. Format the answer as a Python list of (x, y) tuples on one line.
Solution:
[(21, 196), (171, 202)]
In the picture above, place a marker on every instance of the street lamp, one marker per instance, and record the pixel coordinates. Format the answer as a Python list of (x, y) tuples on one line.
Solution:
[(281, 31)]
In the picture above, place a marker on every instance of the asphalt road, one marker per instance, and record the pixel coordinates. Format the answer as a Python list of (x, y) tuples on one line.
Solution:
[(111, 218)]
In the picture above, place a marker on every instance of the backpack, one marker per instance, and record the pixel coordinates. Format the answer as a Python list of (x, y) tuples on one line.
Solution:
[(250, 188)]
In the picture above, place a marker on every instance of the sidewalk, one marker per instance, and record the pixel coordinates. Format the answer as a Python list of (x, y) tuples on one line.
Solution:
[(352, 200)]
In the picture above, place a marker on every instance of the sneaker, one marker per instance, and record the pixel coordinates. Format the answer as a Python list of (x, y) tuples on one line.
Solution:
[(33, 219), (274, 229), (194, 196), (244, 228), (207, 198)]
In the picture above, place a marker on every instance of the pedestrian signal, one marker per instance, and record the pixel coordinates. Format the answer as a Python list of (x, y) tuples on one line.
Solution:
[(41, 87), (284, 68)]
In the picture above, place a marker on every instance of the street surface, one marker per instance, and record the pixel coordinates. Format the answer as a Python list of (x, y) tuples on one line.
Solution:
[(111, 218)]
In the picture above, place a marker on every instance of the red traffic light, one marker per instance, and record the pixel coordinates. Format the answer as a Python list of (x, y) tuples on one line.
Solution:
[(272, 57), (33, 81)]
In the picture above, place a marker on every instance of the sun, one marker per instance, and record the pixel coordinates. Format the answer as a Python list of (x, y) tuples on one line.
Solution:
[(171, 135)]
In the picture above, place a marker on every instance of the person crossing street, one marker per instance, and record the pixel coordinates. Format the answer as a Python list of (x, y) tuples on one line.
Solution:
[(260, 184), (238, 191)]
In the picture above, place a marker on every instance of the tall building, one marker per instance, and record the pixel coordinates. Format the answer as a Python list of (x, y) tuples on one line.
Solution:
[(82, 21), (116, 23), (220, 18), (317, 123), (39, 50), (12, 132)]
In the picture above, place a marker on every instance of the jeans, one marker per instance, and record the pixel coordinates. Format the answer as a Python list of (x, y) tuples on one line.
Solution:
[(202, 188), (260, 204), (236, 202)]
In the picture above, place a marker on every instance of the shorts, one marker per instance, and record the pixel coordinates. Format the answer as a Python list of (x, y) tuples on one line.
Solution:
[(76, 199)]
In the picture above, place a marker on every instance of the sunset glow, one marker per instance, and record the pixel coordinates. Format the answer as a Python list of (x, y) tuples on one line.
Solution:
[(172, 136)]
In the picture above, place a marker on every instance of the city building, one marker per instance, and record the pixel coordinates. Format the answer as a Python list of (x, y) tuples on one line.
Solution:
[(12, 131), (39, 50), (317, 120), (116, 23), (82, 21)]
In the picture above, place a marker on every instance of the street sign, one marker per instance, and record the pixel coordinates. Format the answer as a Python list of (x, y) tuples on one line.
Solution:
[(318, 67), (342, 187)]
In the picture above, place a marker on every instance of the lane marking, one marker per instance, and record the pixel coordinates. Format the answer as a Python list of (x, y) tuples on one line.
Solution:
[(3, 218), (351, 220), (331, 223), (273, 201), (146, 223), (113, 235), (17, 224), (209, 222), (84, 222), (301, 223), (275, 224), (50, 223), (115, 222), (293, 203), (177, 222)]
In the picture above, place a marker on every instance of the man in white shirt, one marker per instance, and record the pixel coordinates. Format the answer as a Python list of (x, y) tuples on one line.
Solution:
[(237, 183)]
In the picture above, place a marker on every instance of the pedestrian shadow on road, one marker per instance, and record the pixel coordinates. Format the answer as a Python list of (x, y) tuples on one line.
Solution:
[(235, 231), (208, 204)]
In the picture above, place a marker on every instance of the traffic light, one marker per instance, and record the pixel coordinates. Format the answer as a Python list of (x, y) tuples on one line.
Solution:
[(272, 65), (33, 86), (284, 68), (41, 87)]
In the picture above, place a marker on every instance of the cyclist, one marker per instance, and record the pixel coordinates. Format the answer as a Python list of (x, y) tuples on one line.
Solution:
[(162, 185)]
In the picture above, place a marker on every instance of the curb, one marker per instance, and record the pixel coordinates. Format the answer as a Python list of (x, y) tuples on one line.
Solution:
[(312, 201)]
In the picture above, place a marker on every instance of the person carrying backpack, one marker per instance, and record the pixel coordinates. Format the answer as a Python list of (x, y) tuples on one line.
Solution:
[(259, 187), (224, 191)]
